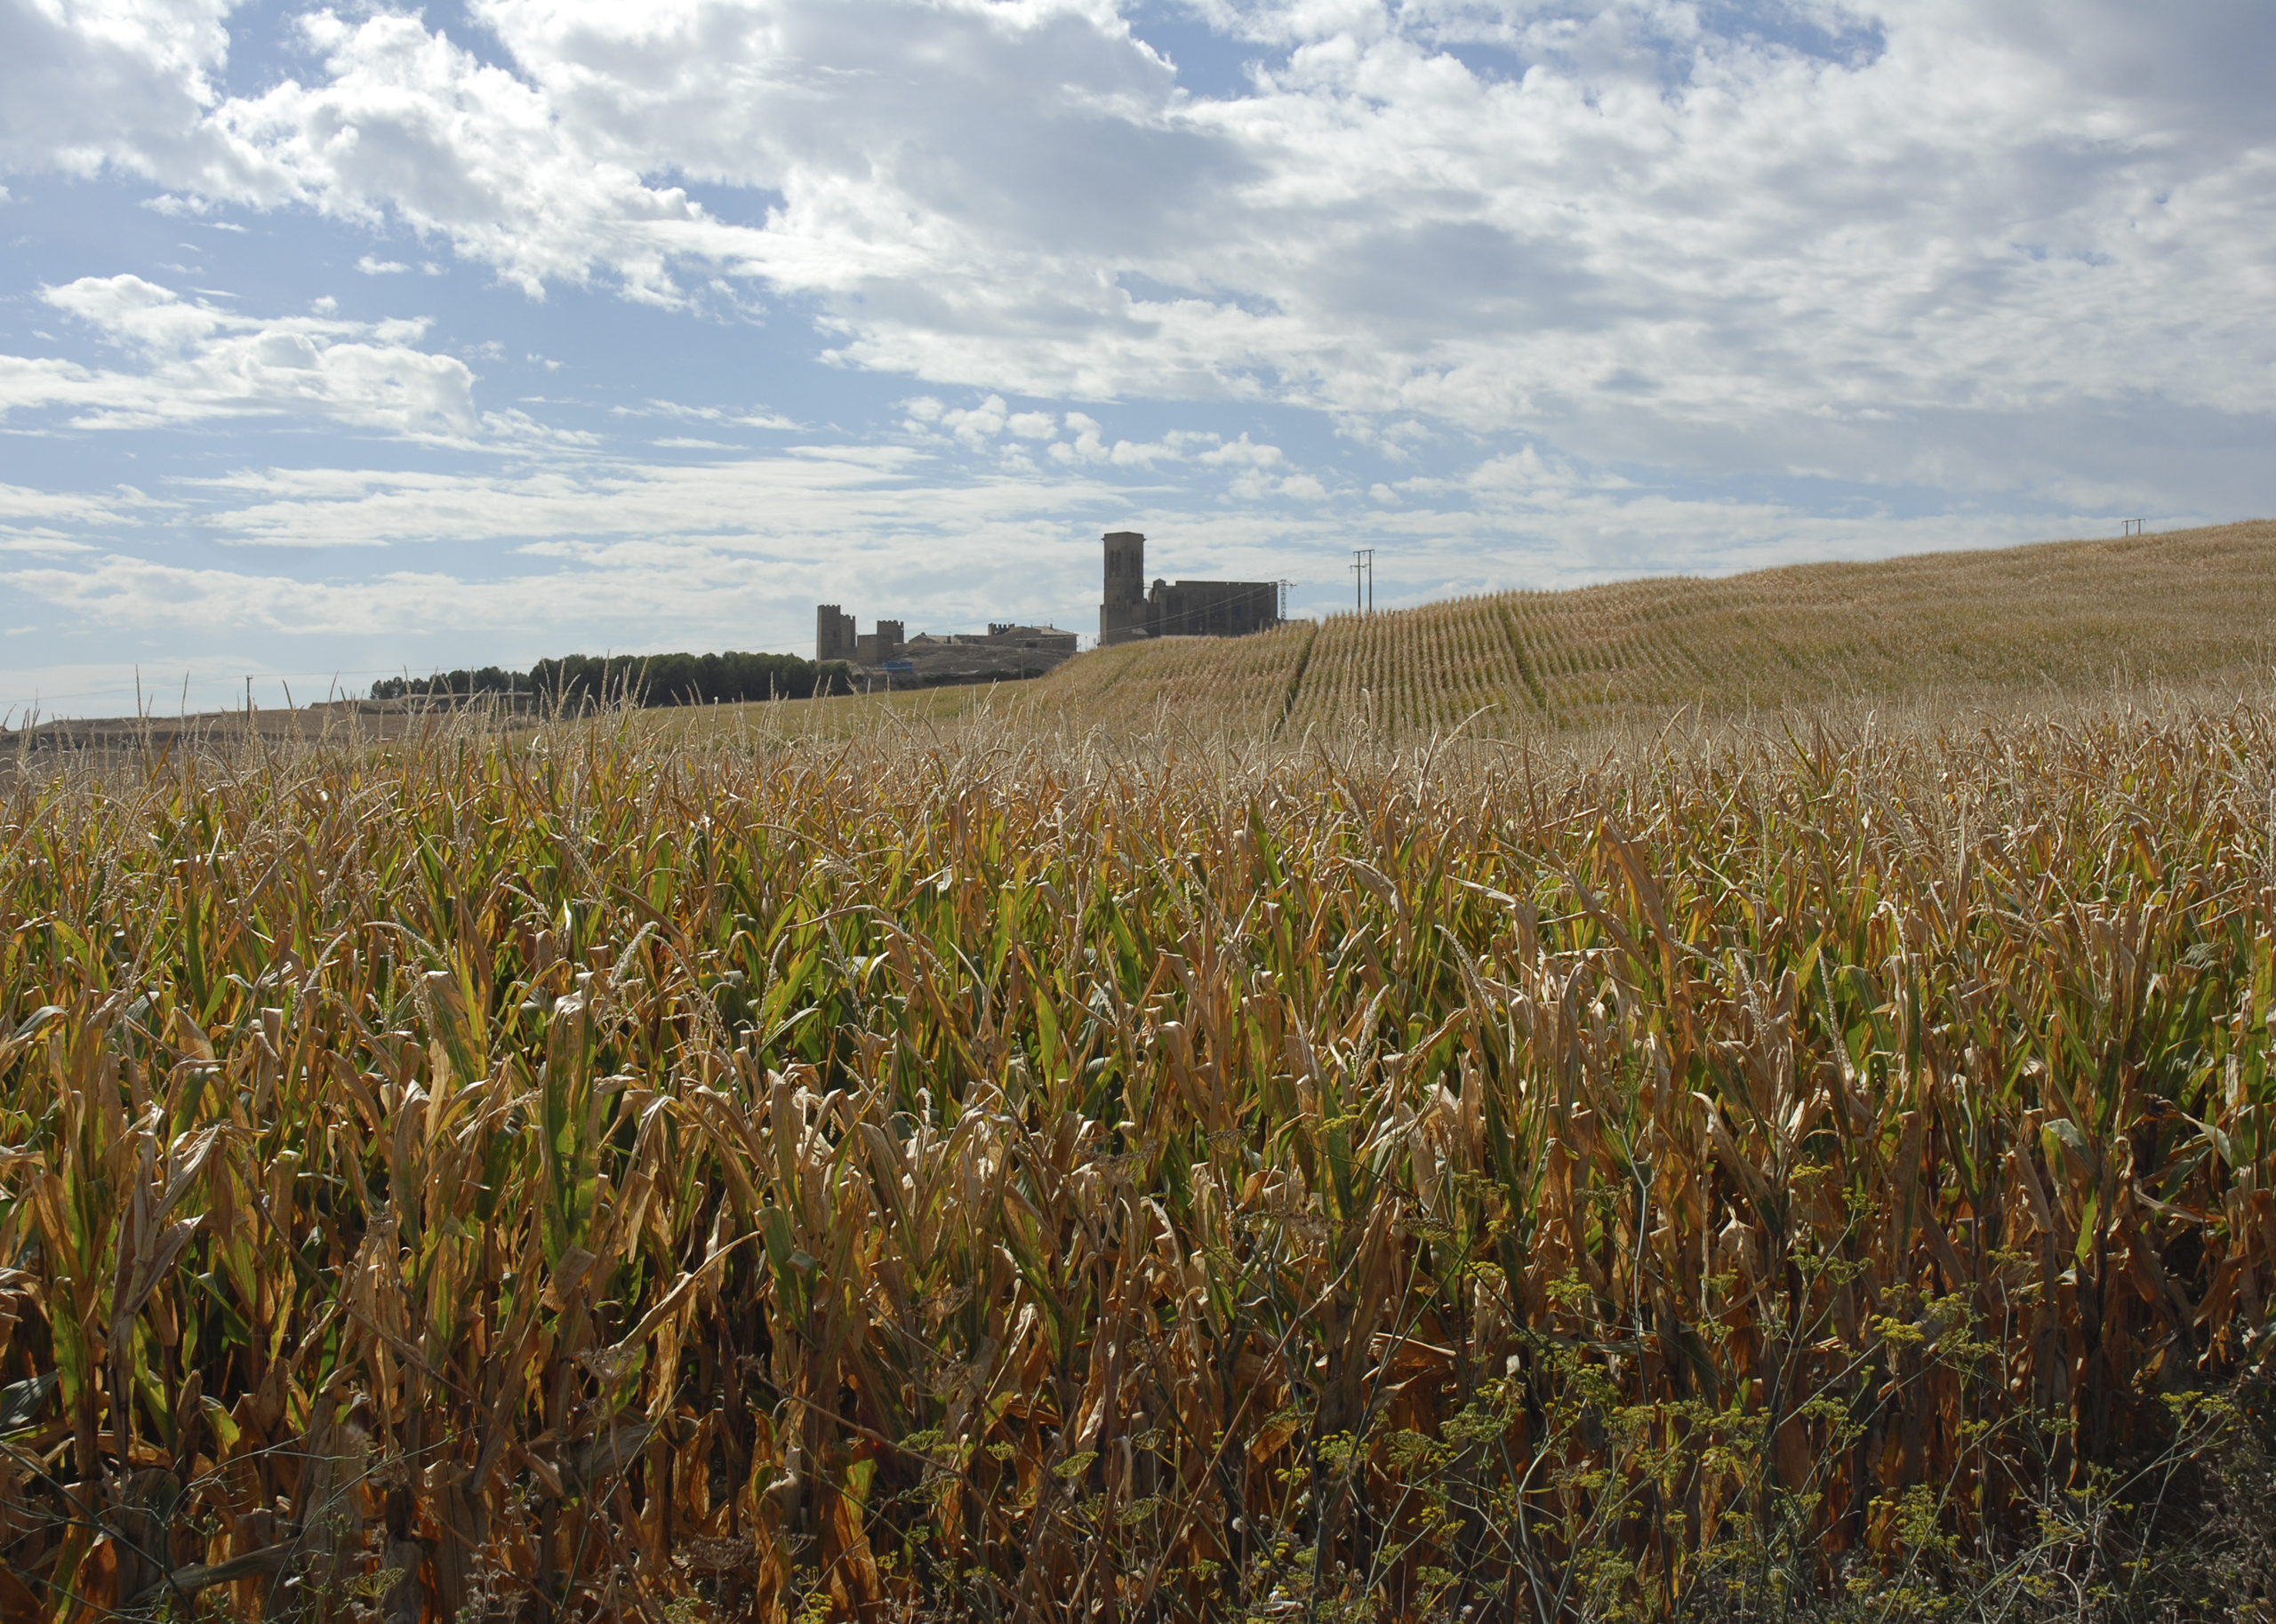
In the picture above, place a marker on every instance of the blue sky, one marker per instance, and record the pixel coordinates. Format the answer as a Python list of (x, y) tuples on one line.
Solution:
[(341, 342)]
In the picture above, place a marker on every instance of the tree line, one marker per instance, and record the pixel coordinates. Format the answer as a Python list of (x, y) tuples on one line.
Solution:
[(637, 679)]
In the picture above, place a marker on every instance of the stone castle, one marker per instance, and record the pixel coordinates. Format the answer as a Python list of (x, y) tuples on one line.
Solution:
[(1131, 612), (1177, 609), (1003, 649)]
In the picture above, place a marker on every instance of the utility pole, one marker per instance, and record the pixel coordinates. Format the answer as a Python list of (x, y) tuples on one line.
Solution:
[(1363, 568)]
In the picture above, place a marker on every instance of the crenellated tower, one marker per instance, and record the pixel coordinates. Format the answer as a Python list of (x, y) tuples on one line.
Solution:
[(833, 633)]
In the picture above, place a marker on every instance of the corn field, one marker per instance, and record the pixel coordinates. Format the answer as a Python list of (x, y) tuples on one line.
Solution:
[(592, 1176), (2183, 608), (1245, 683)]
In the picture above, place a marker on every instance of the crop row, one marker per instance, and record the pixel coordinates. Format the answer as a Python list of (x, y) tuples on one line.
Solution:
[(2068, 618), (591, 1177)]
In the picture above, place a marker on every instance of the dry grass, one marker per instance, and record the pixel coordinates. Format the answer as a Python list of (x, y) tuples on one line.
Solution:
[(336, 724), (964, 1175), (2181, 608), (347, 724), (842, 716)]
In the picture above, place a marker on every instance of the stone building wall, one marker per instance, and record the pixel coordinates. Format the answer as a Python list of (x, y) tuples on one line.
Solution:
[(834, 635), (1122, 615), (1177, 609), (1212, 608)]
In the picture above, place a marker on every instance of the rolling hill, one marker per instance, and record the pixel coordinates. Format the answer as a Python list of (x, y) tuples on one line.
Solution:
[(2187, 606)]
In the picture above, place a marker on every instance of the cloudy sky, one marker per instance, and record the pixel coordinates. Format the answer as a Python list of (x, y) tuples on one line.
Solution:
[(341, 342)]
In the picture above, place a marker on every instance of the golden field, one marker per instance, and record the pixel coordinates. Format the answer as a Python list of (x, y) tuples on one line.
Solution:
[(972, 1170), (2032, 622)]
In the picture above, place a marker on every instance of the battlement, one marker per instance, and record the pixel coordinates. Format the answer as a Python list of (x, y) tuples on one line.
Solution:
[(834, 637)]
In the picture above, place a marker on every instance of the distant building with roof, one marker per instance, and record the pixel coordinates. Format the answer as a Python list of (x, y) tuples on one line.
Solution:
[(1008, 649), (1177, 609)]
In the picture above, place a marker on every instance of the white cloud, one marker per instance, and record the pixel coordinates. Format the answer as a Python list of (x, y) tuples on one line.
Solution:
[(710, 414), (88, 83), (1243, 452), (1581, 243), (23, 502), (1883, 250), (1525, 472), (2013, 249), (407, 124), (713, 550), (750, 500), (975, 426), (116, 509), (40, 543), (727, 552), (1089, 446), (195, 361)]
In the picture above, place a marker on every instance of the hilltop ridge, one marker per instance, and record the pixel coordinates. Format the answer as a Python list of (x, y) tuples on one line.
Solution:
[(2053, 617)]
